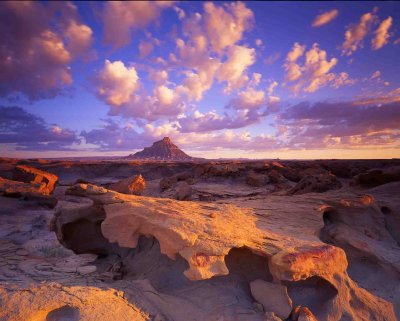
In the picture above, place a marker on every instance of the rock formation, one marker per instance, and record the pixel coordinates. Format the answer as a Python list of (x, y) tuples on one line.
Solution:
[(162, 150), (131, 185), (228, 251), (204, 233), (28, 174)]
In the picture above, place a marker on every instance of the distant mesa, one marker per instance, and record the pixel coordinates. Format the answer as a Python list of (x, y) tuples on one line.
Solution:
[(162, 150)]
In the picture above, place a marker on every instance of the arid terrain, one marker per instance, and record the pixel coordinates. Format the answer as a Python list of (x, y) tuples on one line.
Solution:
[(199, 240)]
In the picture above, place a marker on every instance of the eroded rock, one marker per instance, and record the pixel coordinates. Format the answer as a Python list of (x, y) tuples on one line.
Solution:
[(28, 174), (133, 185)]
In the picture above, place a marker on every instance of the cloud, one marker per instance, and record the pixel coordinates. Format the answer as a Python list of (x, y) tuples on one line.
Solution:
[(355, 34), (248, 107), (117, 136), (342, 79), (39, 42), (116, 83), (122, 18), (341, 124), (226, 27), (26, 131), (380, 98), (232, 71), (325, 18), (382, 34), (315, 72)]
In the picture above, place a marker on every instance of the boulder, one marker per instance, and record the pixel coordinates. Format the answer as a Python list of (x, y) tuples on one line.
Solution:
[(272, 296), (133, 185), (28, 174)]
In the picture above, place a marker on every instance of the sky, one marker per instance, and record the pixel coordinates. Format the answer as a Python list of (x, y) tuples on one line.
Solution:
[(222, 79)]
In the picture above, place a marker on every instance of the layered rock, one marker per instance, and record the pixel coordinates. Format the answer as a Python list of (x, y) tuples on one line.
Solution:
[(204, 233), (28, 191), (46, 181)]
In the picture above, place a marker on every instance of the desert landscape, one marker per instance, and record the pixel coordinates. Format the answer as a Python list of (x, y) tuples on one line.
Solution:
[(164, 238), (199, 160)]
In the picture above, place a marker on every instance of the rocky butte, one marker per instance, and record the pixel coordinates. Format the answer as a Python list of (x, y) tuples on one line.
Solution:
[(100, 240), (162, 150)]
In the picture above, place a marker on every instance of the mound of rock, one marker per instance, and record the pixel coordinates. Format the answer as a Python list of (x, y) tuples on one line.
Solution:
[(133, 185)]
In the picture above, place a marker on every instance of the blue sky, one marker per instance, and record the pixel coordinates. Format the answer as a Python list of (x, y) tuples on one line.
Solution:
[(221, 79)]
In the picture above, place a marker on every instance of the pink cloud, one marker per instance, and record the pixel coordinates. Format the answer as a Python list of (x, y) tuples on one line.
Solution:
[(39, 41)]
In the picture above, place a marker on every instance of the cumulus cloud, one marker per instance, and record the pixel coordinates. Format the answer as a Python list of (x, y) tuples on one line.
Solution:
[(314, 72), (116, 83), (25, 131), (226, 27), (233, 69), (39, 41), (325, 18), (382, 34), (122, 18), (355, 34)]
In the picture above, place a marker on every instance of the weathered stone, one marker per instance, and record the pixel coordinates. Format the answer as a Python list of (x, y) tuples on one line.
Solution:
[(131, 185), (28, 174)]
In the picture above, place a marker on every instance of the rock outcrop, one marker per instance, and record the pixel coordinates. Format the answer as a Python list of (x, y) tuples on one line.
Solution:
[(27, 191), (204, 233), (28, 174), (133, 185)]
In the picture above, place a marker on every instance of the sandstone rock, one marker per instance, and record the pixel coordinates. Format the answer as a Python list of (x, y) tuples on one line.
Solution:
[(183, 191), (272, 296), (26, 191), (317, 183), (282, 230), (256, 180), (28, 174), (131, 185), (54, 302)]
